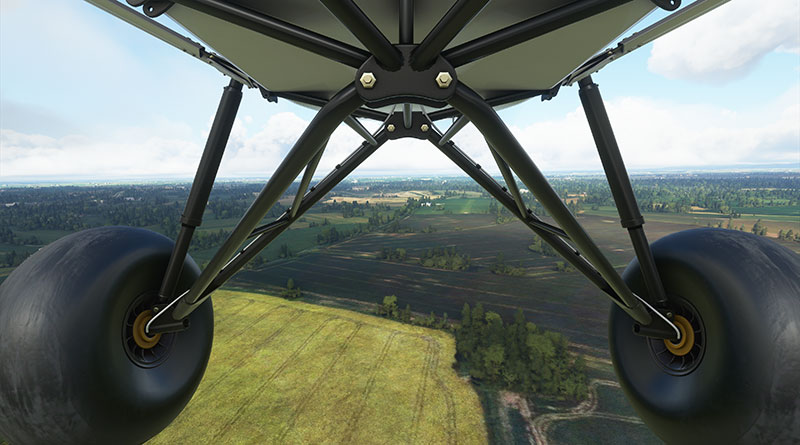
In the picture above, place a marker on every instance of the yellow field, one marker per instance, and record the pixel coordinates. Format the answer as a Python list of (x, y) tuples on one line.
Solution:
[(289, 372), (398, 198)]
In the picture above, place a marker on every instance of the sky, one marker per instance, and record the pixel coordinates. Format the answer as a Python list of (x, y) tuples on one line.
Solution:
[(85, 96)]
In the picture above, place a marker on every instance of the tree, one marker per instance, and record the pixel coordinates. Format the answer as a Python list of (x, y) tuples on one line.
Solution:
[(389, 307), (466, 315), (493, 360), (405, 316), (285, 252), (562, 266), (759, 229), (291, 292), (518, 355)]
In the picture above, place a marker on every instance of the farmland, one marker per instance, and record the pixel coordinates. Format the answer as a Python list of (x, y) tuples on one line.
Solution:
[(561, 301), (260, 397), (364, 380), (349, 274)]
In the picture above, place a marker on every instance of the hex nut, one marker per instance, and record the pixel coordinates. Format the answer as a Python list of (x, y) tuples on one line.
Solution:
[(443, 79), (390, 128), (424, 127), (368, 80)]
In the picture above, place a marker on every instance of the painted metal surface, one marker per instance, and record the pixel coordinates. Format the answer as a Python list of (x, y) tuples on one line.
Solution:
[(536, 64)]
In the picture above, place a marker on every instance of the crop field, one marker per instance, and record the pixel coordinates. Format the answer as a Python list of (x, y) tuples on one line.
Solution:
[(562, 301), (398, 198), (775, 218), (289, 372), (601, 429)]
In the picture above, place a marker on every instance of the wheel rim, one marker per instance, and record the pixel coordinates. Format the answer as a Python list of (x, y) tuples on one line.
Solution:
[(144, 350), (683, 357)]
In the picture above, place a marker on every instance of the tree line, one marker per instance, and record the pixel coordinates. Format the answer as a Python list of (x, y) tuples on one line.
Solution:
[(446, 258), (518, 355)]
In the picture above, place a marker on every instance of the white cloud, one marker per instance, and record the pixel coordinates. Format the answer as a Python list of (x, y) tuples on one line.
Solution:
[(37, 156), (728, 42), (651, 133), (661, 134)]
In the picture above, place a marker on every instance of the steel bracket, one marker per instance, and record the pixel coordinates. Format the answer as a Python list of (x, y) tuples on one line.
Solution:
[(406, 85), (420, 126)]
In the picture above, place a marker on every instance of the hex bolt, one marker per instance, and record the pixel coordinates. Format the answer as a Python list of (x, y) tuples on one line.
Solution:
[(443, 79), (390, 128), (368, 80), (424, 127)]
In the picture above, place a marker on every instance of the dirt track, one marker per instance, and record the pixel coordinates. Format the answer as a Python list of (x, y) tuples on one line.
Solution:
[(543, 424)]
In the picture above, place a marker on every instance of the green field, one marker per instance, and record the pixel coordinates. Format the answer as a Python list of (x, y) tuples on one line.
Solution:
[(290, 372)]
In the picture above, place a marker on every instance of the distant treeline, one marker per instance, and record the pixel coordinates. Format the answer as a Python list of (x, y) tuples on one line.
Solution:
[(13, 258), (446, 258), (158, 207), (9, 237), (726, 193), (539, 246), (72, 208), (759, 229), (390, 309), (500, 267)]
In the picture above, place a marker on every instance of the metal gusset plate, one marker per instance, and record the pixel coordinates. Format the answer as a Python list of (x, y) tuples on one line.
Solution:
[(380, 87), (419, 128)]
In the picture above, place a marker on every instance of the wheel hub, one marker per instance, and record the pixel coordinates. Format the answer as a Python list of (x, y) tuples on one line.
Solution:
[(142, 349), (141, 338), (682, 357), (686, 342)]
